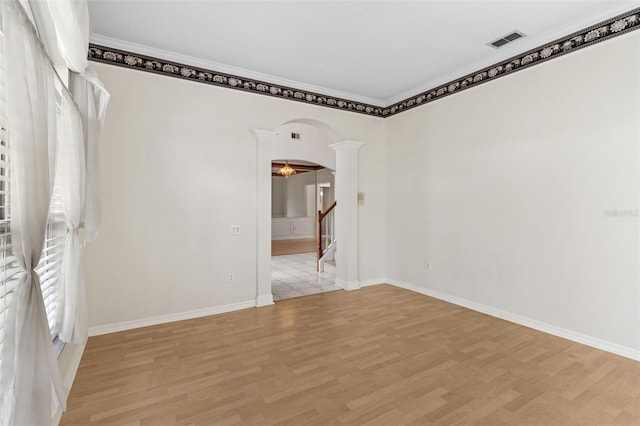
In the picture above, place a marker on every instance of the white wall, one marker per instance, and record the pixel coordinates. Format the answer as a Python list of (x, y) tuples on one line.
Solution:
[(178, 170), (326, 177), (313, 145), (278, 196), (297, 193), (504, 189), (289, 195)]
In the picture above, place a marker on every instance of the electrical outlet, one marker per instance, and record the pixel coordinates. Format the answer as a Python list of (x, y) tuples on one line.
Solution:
[(230, 276), (428, 266)]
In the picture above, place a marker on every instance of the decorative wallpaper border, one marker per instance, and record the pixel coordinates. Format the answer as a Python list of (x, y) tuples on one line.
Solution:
[(187, 72), (594, 34)]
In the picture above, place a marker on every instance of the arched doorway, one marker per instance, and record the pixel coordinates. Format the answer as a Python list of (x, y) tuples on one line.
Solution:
[(326, 148), (300, 189)]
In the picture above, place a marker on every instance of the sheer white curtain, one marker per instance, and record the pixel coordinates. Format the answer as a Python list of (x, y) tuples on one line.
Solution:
[(78, 181), (64, 30), (71, 321), (63, 26), (92, 100), (29, 369)]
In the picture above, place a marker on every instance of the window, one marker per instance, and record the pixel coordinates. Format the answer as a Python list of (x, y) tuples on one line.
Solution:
[(49, 267), (6, 284)]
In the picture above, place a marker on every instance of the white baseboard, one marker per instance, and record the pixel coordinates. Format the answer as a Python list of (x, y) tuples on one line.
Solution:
[(347, 285), (264, 300), (527, 322), (374, 281), (69, 375), (145, 322)]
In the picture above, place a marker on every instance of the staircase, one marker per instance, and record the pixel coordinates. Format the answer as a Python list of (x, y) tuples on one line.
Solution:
[(327, 256), (326, 240)]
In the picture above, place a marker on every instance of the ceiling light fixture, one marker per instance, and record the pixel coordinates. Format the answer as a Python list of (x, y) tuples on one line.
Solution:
[(286, 170)]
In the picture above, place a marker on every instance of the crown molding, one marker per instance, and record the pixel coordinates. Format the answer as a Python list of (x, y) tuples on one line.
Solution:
[(222, 68), (189, 68)]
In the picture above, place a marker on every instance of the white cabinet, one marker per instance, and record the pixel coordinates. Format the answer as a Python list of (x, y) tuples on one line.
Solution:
[(304, 227), (284, 228), (280, 229)]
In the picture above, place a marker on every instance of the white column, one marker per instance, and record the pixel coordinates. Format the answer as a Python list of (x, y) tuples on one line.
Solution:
[(346, 215), (263, 216)]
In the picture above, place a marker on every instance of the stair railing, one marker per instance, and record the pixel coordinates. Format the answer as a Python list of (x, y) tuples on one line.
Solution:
[(325, 239)]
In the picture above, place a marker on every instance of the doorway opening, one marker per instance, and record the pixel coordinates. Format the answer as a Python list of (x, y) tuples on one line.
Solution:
[(317, 143), (297, 198)]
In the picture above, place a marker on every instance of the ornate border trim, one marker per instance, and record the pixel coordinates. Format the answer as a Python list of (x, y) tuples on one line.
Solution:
[(126, 59), (594, 34)]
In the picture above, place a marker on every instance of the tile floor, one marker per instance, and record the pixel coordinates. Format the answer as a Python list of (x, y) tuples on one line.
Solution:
[(295, 275)]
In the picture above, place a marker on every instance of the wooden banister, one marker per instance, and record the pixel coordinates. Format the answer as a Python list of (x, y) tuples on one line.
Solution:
[(322, 215)]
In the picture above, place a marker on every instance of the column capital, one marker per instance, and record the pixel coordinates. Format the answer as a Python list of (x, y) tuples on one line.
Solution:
[(263, 135), (346, 145)]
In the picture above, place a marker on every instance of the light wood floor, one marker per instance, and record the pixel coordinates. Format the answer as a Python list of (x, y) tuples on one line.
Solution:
[(282, 247), (377, 356)]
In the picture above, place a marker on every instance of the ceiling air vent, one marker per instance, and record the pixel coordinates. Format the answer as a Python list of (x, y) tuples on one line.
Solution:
[(506, 39)]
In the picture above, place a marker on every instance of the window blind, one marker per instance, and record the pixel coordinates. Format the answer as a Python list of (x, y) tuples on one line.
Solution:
[(6, 255), (49, 267)]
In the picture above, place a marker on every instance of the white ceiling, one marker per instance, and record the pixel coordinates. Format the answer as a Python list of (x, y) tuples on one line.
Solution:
[(377, 52)]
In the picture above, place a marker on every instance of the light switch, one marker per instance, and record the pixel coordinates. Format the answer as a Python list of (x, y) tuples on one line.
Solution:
[(235, 229)]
